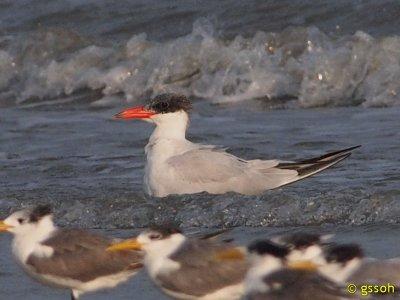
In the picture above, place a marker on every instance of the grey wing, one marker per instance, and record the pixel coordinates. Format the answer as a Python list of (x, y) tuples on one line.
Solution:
[(200, 272), (82, 256), (204, 165), (216, 171)]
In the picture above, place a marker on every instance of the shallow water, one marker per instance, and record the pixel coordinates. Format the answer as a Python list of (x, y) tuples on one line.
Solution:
[(90, 166)]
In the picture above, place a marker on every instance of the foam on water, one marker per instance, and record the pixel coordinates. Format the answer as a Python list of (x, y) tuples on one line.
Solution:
[(301, 63)]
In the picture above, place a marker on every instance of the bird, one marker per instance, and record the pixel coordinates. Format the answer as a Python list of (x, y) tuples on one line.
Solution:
[(74, 259), (345, 263), (272, 277), (188, 267), (303, 246), (176, 165), (340, 262)]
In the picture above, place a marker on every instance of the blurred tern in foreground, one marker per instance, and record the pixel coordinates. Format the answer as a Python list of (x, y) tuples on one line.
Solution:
[(346, 264), (340, 262), (190, 268), (303, 246), (178, 166), (273, 277), (67, 258)]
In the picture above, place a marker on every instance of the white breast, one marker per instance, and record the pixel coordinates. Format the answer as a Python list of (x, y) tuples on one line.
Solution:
[(158, 178), (25, 245)]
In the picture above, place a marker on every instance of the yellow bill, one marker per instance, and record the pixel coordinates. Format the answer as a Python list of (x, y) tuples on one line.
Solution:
[(130, 244), (4, 226), (304, 265)]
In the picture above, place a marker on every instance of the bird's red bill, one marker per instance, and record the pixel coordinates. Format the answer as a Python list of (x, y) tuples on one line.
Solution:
[(139, 112)]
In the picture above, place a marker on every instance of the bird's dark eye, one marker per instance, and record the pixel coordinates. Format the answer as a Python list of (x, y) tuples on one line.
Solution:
[(155, 236), (20, 220), (162, 106)]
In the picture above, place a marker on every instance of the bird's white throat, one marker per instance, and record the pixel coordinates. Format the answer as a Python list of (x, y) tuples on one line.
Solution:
[(170, 126), (157, 257), (261, 267), (339, 273)]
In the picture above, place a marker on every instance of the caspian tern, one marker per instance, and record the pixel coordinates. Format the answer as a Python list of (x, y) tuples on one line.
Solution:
[(67, 258), (190, 268), (178, 166)]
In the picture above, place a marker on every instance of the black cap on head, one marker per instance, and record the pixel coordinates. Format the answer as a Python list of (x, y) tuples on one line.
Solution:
[(343, 253), (165, 231), (39, 212), (301, 240), (265, 247), (169, 103)]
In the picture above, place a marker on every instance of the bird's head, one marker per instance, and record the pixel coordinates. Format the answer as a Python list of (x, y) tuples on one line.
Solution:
[(343, 254), (265, 250), (285, 255), (266, 247), (160, 241), (29, 220), (340, 261), (161, 108), (303, 246)]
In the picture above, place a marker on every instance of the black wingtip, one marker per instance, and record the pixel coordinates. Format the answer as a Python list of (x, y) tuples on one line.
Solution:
[(322, 165), (330, 155), (352, 148)]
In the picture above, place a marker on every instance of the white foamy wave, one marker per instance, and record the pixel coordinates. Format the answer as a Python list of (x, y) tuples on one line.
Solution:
[(297, 63)]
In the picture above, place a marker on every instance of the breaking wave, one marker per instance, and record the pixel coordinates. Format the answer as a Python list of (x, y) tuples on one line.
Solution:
[(300, 67)]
